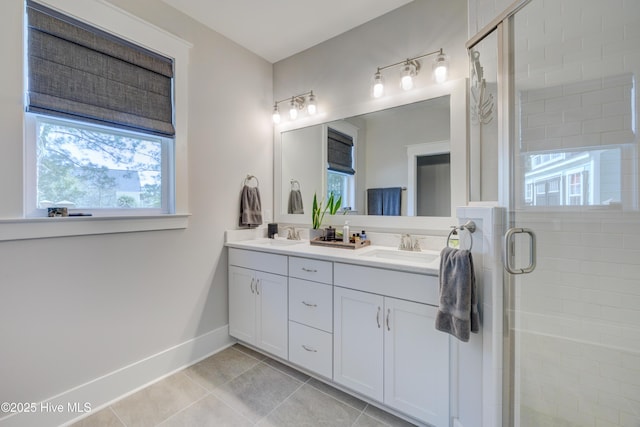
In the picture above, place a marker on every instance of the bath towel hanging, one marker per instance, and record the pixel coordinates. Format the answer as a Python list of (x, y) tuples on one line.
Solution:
[(384, 201), (458, 310), (295, 199), (250, 204)]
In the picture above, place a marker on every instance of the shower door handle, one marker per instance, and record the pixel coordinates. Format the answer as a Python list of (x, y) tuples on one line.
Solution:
[(508, 249)]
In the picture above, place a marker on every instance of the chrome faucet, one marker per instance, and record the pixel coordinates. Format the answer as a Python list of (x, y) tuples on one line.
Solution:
[(407, 243), (293, 234)]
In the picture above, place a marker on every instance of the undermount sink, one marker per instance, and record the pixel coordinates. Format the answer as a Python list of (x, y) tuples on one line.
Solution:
[(280, 242), (395, 254)]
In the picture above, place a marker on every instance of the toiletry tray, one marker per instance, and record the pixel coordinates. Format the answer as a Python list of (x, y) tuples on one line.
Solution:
[(339, 243)]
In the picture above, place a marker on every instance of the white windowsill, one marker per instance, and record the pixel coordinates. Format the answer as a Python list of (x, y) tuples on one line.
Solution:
[(41, 228)]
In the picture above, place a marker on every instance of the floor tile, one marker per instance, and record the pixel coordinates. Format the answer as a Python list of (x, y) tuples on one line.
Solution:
[(102, 418), (159, 401), (220, 368), (300, 376), (366, 421), (207, 412), (249, 351), (340, 395), (258, 391), (310, 407), (386, 417)]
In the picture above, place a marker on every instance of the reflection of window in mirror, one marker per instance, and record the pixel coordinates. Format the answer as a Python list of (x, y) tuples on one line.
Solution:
[(341, 166)]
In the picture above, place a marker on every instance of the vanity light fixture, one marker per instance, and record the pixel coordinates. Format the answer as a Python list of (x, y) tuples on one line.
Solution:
[(410, 69), (296, 103)]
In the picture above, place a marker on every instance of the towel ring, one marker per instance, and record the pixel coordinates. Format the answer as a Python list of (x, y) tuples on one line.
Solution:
[(295, 182), (249, 178), (470, 226)]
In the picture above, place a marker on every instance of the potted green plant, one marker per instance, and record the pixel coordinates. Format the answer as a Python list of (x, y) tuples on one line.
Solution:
[(318, 211)]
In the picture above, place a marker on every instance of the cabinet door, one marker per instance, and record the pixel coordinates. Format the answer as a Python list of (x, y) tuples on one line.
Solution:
[(242, 307), (271, 293), (416, 362), (358, 341)]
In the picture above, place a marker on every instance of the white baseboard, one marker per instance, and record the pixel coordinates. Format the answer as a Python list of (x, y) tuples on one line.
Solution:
[(100, 392)]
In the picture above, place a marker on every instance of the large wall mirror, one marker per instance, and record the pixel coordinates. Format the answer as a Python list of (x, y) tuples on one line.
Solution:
[(401, 165)]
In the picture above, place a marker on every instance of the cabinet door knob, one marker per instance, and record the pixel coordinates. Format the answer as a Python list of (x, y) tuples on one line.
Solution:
[(309, 304), (388, 316), (309, 270), (378, 317), (311, 349), (251, 286), (258, 286)]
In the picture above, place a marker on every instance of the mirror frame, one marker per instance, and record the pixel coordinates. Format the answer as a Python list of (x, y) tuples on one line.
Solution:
[(457, 89)]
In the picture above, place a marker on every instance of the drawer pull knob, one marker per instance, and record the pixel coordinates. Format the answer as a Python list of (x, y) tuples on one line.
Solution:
[(311, 349), (309, 304), (309, 270)]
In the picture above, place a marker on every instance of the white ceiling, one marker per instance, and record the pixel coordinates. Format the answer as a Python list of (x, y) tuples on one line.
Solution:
[(277, 29)]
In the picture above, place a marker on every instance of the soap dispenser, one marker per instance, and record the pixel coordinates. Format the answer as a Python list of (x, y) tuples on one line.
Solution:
[(345, 232)]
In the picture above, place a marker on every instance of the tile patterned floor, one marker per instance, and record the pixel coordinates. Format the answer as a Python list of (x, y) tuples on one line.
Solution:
[(239, 387)]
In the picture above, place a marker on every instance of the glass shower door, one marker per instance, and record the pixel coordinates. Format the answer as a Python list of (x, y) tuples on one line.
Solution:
[(573, 348)]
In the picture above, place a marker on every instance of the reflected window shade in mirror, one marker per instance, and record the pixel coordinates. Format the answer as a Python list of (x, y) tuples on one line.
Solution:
[(80, 72), (340, 152)]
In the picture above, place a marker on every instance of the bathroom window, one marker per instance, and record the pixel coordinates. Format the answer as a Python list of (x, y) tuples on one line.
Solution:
[(100, 120), (587, 177), (341, 167), (97, 169), (341, 185)]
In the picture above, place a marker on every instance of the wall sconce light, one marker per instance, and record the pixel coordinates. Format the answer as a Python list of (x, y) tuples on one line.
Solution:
[(296, 103), (410, 69)]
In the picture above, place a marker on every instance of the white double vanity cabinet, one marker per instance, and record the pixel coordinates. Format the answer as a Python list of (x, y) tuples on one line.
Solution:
[(358, 322)]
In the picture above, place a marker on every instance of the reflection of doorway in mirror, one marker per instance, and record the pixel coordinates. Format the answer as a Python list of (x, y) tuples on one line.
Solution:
[(429, 163), (433, 185)]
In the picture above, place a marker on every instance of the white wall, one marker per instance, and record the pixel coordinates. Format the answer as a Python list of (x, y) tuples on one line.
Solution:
[(296, 145), (73, 309)]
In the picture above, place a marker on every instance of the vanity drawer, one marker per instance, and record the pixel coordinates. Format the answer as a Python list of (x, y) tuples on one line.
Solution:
[(311, 349), (398, 284), (261, 261), (311, 304), (311, 269)]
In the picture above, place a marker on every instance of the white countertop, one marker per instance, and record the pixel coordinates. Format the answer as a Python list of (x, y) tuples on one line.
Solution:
[(423, 262)]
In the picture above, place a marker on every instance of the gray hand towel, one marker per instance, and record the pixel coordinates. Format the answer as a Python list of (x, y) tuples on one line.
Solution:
[(458, 310), (295, 202), (250, 207)]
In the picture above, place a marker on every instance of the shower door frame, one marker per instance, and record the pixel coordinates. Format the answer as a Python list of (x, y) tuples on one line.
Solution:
[(503, 25)]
